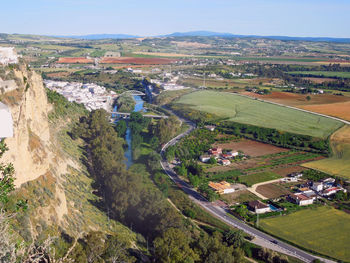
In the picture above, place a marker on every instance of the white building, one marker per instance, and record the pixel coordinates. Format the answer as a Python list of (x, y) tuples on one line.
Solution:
[(8, 55), (301, 199), (259, 207), (317, 186), (204, 158), (6, 127)]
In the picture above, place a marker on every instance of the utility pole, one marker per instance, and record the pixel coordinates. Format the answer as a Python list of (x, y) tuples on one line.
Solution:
[(257, 218)]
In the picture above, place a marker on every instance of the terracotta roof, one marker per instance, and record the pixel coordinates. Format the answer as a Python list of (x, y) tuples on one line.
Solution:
[(257, 204)]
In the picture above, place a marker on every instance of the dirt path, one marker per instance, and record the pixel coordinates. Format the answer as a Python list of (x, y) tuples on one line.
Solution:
[(252, 189)]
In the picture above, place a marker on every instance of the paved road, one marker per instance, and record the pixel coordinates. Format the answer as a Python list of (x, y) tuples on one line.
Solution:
[(221, 213)]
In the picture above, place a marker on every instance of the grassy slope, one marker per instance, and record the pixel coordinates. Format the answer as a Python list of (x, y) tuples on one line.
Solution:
[(339, 163), (250, 111), (324, 230)]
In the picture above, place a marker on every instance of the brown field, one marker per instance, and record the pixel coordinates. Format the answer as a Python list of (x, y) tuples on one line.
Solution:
[(272, 190), (161, 54), (340, 110), (77, 60), (329, 104), (318, 80), (288, 170), (58, 74), (132, 60), (251, 148), (239, 197)]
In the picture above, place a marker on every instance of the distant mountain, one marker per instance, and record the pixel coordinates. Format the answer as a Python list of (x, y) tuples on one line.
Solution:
[(228, 35), (101, 36), (212, 34), (199, 34)]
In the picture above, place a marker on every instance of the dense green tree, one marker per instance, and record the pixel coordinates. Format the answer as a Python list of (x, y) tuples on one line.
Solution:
[(234, 238), (173, 247), (121, 128)]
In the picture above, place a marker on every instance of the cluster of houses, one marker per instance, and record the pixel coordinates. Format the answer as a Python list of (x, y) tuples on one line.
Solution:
[(222, 158), (306, 193), (8, 55), (92, 96)]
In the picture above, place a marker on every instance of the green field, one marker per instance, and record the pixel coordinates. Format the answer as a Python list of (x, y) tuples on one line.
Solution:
[(250, 111), (324, 230), (322, 73), (339, 163), (258, 178)]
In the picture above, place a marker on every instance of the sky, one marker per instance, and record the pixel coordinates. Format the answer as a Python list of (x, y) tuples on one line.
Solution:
[(308, 18)]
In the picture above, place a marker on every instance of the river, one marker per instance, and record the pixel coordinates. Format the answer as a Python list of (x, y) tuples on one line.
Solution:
[(128, 153)]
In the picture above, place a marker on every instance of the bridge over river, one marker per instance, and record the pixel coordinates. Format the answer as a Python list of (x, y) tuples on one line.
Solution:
[(126, 114)]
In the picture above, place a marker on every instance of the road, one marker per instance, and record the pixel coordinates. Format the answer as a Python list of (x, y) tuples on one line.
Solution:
[(264, 239)]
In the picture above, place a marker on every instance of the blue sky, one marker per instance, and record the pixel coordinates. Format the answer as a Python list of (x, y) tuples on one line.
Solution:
[(154, 17)]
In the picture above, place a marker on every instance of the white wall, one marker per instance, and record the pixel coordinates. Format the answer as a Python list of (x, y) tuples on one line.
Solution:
[(6, 123)]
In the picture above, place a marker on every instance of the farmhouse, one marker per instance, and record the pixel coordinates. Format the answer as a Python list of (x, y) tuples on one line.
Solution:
[(331, 191), (259, 207), (6, 127), (317, 186), (215, 151), (233, 153), (301, 199), (204, 158), (222, 187), (225, 162)]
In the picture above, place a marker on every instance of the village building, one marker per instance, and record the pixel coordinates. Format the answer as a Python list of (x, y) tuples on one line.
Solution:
[(259, 207), (6, 127), (225, 162), (317, 186), (204, 158), (8, 55), (301, 199), (215, 151), (222, 187)]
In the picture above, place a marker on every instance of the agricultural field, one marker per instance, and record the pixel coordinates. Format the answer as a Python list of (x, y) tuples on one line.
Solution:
[(136, 60), (339, 163), (323, 229), (249, 111), (273, 190), (250, 147), (299, 100), (340, 110), (76, 60), (239, 197), (322, 73)]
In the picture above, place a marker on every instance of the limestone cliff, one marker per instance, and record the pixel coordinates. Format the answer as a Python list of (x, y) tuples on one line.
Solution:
[(48, 169), (30, 149)]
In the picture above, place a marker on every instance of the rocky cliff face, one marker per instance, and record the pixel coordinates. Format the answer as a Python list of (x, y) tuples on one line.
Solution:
[(30, 149), (48, 169)]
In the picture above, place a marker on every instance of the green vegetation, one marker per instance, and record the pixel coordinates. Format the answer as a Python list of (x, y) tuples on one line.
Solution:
[(125, 103), (327, 74), (62, 107), (322, 230), (251, 179), (249, 111)]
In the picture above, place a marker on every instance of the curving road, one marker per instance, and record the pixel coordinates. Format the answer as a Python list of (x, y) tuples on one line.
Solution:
[(221, 213)]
